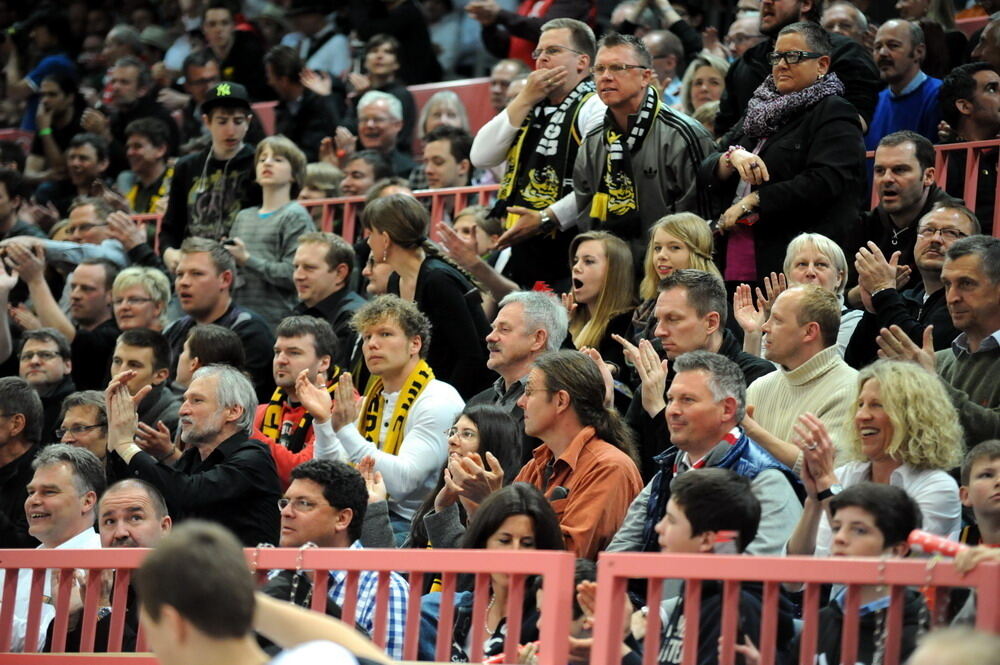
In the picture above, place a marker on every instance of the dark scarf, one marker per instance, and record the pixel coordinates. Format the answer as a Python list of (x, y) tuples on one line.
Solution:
[(769, 110), (540, 161), (616, 205)]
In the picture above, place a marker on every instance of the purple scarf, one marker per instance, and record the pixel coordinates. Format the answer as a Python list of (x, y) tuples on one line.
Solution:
[(769, 110)]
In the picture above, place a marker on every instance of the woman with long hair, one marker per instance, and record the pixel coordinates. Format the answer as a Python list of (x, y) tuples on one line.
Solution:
[(514, 518), (398, 226), (483, 430), (676, 242), (603, 296), (905, 433)]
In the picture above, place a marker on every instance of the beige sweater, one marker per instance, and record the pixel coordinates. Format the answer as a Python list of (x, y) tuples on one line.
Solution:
[(824, 385)]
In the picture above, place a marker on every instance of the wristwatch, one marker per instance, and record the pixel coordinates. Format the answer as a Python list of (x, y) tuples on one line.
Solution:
[(832, 491), (547, 223)]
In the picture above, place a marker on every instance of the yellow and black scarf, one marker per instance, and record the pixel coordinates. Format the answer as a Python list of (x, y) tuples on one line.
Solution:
[(615, 205), (540, 160), (374, 402), (271, 423)]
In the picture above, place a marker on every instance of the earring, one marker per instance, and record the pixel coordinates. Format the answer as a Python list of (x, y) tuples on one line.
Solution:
[(385, 254)]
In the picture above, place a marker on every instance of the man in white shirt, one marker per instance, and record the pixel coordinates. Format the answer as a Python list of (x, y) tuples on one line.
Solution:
[(402, 419), (538, 135), (61, 505)]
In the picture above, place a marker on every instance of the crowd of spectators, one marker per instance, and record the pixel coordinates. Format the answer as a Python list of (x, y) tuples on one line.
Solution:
[(693, 304)]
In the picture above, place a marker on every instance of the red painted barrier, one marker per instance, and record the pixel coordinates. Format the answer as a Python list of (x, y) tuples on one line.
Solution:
[(614, 571), (970, 25), (555, 569)]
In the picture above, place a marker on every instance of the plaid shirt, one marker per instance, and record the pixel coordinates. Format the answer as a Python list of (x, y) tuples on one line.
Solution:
[(364, 617)]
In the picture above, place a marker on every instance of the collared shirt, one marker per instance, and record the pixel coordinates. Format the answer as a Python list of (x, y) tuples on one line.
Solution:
[(991, 343), (88, 539), (364, 613), (508, 397), (600, 482), (684, 462), (917, 81), (235, 486)]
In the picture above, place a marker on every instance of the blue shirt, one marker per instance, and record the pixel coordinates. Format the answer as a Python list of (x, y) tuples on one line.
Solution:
[(50, 64), (915, 108)]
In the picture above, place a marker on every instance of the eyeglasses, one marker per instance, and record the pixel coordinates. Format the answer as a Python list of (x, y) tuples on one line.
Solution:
[(947, 233), (553, 50), (374, 119), (300, 505), (42, 355), (82, 228), (76, 430), (134, 301), (615, 70), (528, 392), (466, 434), (739, 38), (791, 57)]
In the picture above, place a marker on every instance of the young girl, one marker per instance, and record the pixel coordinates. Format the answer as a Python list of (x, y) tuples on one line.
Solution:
[(263, 239), (602, 300)]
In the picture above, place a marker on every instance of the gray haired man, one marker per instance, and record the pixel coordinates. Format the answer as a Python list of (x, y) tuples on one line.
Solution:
[(222, 475), (528, 324)]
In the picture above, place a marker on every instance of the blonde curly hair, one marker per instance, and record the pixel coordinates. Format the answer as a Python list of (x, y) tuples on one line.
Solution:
[(926, 433)]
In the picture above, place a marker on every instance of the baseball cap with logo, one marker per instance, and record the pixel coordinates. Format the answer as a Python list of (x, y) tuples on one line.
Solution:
[(226, 94)]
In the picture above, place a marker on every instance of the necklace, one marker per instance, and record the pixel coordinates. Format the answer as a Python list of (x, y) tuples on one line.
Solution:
[(896, 234)]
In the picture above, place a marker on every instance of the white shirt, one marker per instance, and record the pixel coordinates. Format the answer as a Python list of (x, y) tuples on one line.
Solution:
[(934, 491), (311, 653), (334, 56), (413, 473), (88, 539), (491, 144)]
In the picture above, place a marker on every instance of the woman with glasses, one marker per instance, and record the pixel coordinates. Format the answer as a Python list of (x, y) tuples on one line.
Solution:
[(139, 298), (795, 164), (480, 429)]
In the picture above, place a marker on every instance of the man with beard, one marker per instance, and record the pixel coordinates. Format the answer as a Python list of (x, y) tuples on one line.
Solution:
[(910, 99), (970, 104), (222, 476), (920, 306)]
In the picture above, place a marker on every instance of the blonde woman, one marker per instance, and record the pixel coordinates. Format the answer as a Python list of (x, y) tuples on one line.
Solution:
[(905, 433), (676, 242), (704, 81), (602, 300), (139, 298), (811, 258)]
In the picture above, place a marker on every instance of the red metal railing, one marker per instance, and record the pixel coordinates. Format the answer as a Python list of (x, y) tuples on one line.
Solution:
[(555, 569), (449, 200), (614, 571), (970, 25), (973, 153)]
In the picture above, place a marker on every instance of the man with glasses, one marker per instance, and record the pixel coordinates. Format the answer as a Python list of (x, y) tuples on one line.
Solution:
[(850, 61), (223, 475), (969, 367), (642, 163), (668, 63), (380, 121), (84, 421), (538, 135), (920, 306), (744, 33), (47, 367), (211, 186), (325, 507)]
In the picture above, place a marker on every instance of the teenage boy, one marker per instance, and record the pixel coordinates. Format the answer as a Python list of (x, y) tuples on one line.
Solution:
[(211, 186), (264, 238), (868, 520), (980, 492), (703, 503)]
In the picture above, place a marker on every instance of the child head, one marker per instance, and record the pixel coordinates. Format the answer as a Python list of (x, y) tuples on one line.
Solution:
[(477, 228), (980, 488), (678, 241), (704, 502), (585, 570), (279, 161), (872, 519)]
